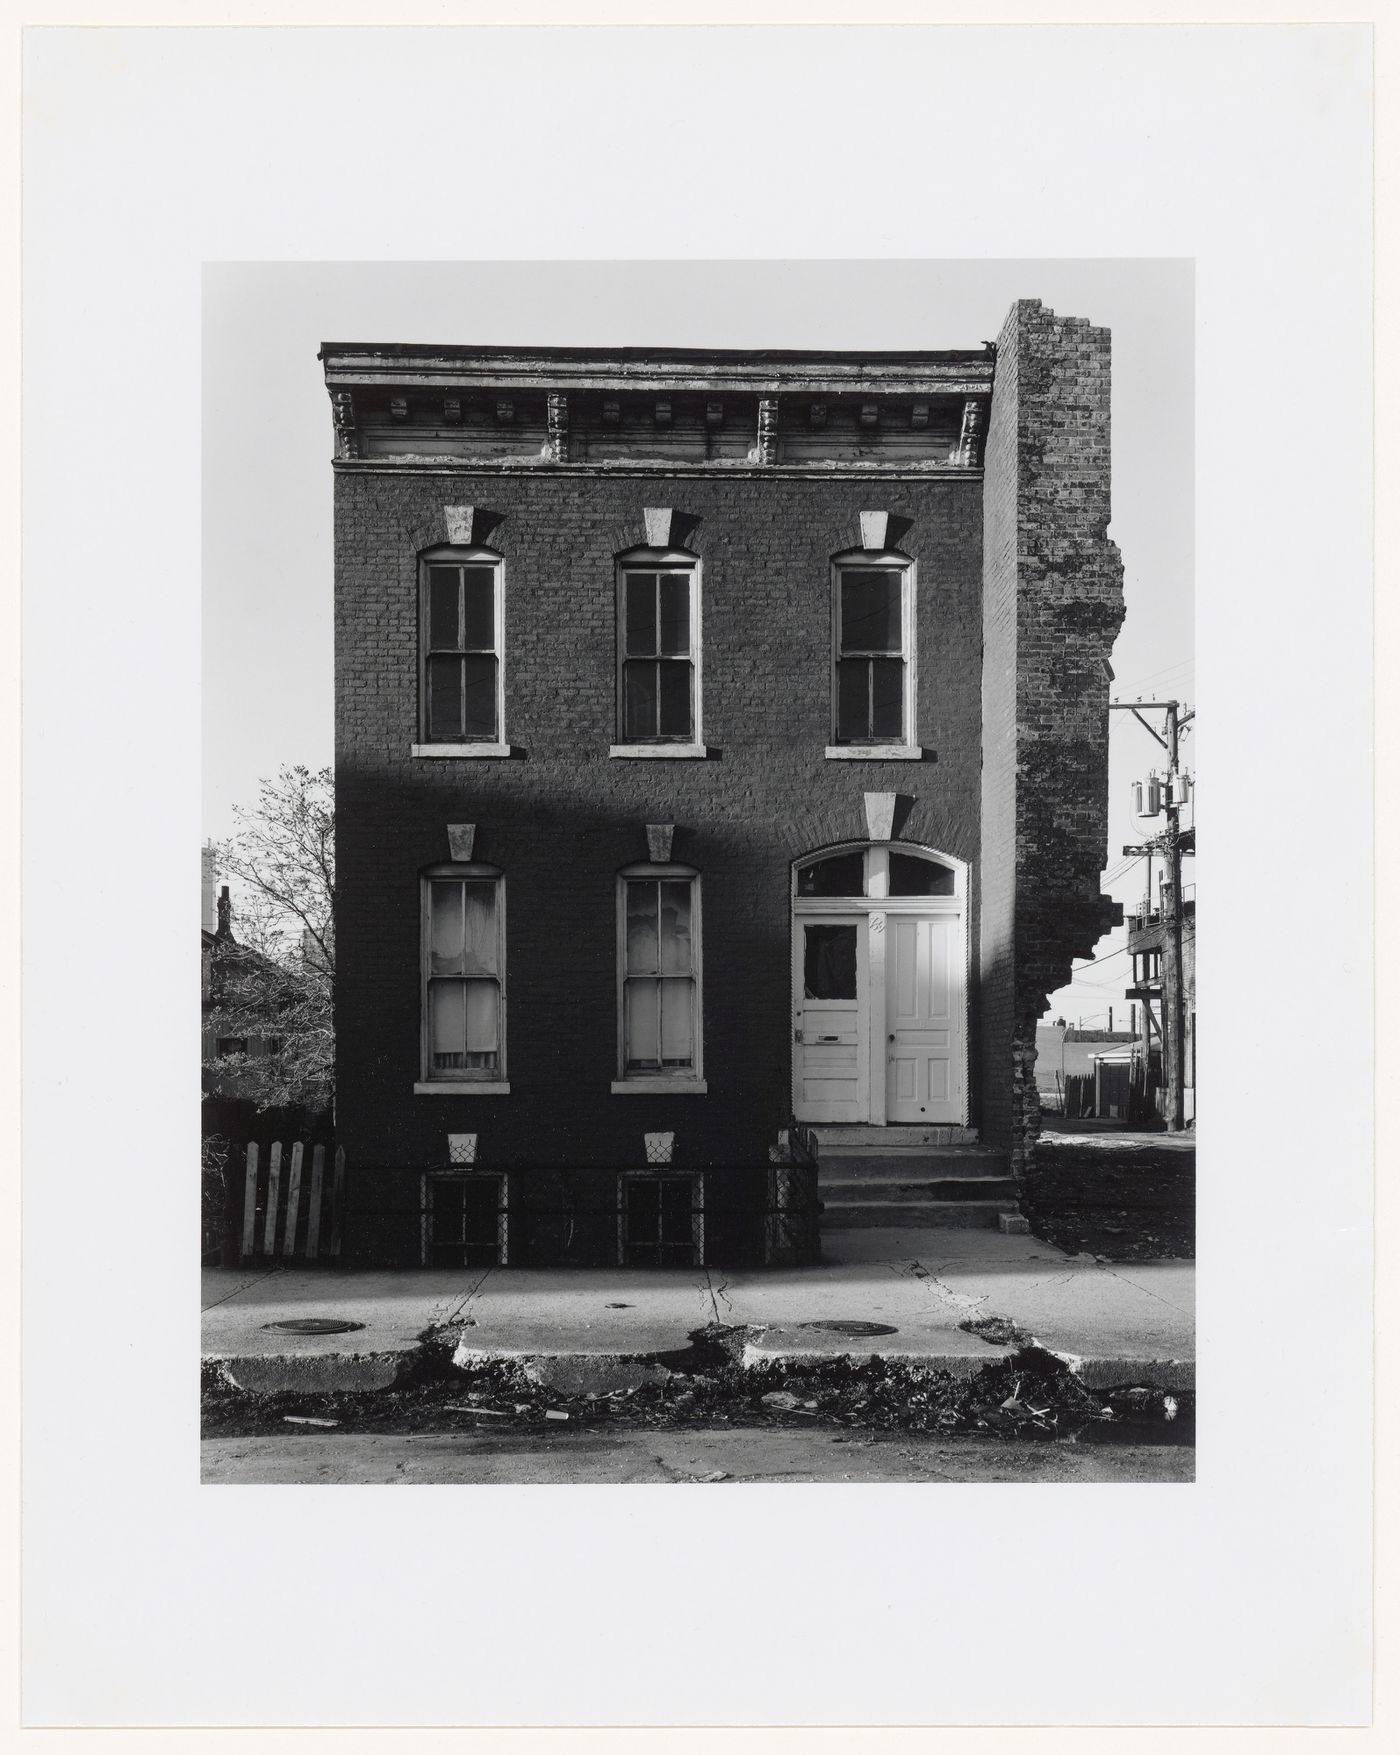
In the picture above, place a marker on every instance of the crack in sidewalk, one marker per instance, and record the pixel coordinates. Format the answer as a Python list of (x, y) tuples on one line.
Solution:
[(257, 1280), (719, 1293)]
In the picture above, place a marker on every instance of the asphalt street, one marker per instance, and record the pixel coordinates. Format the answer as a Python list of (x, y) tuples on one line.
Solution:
[(311, 1457)]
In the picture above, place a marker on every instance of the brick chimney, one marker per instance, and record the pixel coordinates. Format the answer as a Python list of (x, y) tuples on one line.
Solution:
[(225, 927)]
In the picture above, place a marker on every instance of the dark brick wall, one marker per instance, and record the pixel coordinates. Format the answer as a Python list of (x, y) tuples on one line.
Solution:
[(1051, 568), (561, 817)]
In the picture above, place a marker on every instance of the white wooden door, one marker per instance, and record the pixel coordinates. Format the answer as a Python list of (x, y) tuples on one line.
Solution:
[(831, 1046), (926, 1016)]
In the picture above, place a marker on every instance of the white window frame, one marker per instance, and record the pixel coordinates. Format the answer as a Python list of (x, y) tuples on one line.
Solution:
[(660, 560), (679, 1084), (906, 748), (462, 1082), (464, 747)]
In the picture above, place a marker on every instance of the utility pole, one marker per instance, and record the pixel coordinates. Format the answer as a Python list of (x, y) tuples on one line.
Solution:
[(1169, 846)]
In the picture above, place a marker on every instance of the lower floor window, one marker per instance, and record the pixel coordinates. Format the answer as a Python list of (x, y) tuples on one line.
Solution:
[(660, 1024), (464, 1221), (661, 1220), (463, 969)]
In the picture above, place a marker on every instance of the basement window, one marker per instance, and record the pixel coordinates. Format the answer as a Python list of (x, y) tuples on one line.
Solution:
[(464, 1220), (661, 1220)]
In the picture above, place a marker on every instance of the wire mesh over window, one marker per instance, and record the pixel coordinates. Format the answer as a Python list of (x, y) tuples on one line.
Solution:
[(870, 655), (660, 1221), (658, 669), (464, 990), (462, 653), (659, 976), (464, 1221)]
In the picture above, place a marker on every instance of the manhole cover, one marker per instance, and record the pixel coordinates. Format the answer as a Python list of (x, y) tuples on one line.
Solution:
[(619, 1307), (314, 1325), (854, 1328)]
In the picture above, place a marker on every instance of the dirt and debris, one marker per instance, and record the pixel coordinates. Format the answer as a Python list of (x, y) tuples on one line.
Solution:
[(1026, 1394), (998, 1331), (1117, 1200)]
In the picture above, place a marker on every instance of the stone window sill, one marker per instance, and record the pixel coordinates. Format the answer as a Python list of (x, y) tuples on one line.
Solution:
[(688, 752), (461, 1088), (460, 752), (659, 1088), (874, 752)]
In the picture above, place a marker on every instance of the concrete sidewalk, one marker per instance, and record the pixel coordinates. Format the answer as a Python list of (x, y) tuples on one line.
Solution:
[(1114, 1324)]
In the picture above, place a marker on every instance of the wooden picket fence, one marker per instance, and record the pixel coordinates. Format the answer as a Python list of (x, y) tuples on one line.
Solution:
[(278, 1223)]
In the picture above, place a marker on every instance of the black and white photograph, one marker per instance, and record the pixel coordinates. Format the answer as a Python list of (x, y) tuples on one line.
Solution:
[(673, 590), (698, 951)]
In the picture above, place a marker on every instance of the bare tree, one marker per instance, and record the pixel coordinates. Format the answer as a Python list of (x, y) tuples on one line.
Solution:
[(273, 972)]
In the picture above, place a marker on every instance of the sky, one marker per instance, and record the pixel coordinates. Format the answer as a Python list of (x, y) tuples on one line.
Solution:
[(267, 558)]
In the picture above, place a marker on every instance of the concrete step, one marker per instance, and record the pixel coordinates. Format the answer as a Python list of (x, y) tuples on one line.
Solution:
[(895, 1214), (923, 1163), (834, 1136), (863, 1189)]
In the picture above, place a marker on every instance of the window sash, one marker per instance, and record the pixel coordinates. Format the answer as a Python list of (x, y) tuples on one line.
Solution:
[(460, 639), (658, 641), (871, 658), (463, 991), (659, 976)]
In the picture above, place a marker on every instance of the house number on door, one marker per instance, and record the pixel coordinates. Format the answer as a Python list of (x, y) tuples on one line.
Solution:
[(877, 923)]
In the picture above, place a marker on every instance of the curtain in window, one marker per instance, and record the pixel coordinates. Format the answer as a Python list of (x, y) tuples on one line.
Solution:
[(463, 988), (659, 987)]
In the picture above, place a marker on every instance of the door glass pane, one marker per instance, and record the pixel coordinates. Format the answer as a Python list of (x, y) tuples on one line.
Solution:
[(447, 1020), (639, 698), (642, 927), (853, 698), (479, 609), (887, 698), (870, 610), (447, 928), (444, 697), (675, 614), (829, 962), (677, 1041), (841, 875), (675, 927), (482, 1008), (442, 607), (639, 590), (919, 877), (479, 923), (479, 695), (674, 712), (642, 1023)]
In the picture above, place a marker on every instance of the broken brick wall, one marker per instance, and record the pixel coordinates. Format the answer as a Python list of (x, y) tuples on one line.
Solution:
[(1052, 607)]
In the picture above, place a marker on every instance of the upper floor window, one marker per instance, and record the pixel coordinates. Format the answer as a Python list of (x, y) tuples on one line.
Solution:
[(461, 682), (658, 680), (873, 650), (463, 974)]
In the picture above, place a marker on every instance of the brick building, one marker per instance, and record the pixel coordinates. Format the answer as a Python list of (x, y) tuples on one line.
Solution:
[(720, 738)]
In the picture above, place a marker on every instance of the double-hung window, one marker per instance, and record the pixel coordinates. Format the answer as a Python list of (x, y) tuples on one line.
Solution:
[(658, 678), (659, 1002), (873, 691), (461, 688), (463, 979)]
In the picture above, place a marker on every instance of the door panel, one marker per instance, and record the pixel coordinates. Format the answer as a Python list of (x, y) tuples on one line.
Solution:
[(925, 1019), (831, 1050)]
